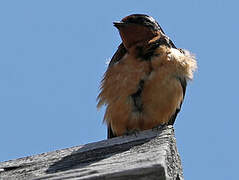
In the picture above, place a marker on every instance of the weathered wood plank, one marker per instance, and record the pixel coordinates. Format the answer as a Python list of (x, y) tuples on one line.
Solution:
[(149, 155)]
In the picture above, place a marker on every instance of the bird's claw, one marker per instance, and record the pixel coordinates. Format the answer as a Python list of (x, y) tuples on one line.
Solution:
[(131, 132), (159, 127)]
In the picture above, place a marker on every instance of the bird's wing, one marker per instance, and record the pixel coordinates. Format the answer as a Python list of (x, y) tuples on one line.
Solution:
[(119, 54), (183, 83), (110, 133)]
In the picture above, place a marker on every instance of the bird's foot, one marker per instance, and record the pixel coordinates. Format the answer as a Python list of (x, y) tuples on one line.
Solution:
[(131, 132), (159, 127)]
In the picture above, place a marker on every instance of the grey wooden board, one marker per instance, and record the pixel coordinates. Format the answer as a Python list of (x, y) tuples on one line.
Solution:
[(148, 155)]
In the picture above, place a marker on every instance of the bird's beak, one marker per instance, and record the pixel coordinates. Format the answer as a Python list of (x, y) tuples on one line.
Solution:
[(119, 24)]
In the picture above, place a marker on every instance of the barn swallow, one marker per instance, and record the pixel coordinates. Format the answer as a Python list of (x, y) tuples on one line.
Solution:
[(145, 83)]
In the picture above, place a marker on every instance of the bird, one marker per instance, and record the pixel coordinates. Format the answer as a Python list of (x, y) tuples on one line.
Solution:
[(145, 83)]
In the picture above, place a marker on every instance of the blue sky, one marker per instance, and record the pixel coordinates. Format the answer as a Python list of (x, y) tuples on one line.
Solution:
[(52, 58)]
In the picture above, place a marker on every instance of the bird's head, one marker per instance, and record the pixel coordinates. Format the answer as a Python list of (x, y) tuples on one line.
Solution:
[(138, 28)]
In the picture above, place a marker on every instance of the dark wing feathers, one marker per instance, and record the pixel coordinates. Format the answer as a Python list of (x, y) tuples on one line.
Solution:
[(121, 51), (183, 82), (119, 54), (110, 133)]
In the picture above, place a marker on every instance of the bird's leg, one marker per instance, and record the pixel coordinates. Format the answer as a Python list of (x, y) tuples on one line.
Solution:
[(159, 127), (131, 132)]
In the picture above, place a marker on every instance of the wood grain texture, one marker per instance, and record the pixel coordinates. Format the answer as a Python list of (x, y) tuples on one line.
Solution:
[(149, 155)]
